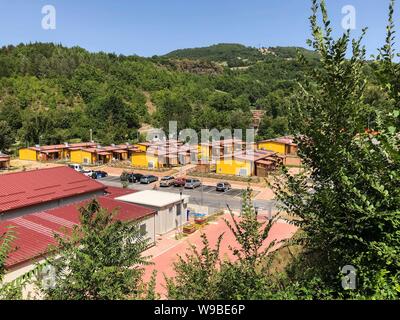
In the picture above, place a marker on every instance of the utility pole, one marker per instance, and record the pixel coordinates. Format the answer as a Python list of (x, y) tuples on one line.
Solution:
[(91, 135), (181, 210), (202, 188)]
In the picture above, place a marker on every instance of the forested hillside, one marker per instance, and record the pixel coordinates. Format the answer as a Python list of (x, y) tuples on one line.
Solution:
[(51, 94)]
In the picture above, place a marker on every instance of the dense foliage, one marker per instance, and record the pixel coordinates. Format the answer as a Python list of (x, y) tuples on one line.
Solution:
[(206, 274), (53, 94), (347, 201)]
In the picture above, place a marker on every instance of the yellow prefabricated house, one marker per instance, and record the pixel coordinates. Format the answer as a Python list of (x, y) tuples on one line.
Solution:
[(283, 145), (142, 146), (144, 160), (4, 161), (205, 152), (244, 163), (51, 152), (272, 146), (82, 156), (235, 166), (28, 154)]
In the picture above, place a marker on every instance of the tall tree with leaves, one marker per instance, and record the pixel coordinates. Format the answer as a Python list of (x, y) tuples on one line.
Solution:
[(101, 259), (6, 136), (347, 201), (5, 248), (13, 289)]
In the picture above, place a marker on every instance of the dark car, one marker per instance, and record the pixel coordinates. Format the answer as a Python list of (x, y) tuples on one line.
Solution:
[(130, 177), (223, 186), (148, 179), (134, 177), (179, 182), (99, 174)]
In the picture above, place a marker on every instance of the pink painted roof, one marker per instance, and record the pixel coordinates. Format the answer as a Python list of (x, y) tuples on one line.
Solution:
[(59, 147), (283, 140), (250, 155)]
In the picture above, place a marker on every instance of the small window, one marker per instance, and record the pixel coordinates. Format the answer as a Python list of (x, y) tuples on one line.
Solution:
[(143, 230)]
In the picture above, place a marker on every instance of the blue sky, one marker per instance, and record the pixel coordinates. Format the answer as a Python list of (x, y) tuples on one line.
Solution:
[(154, 27)]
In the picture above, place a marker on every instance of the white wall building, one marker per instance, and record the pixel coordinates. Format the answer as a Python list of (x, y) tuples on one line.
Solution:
[(171, 207)]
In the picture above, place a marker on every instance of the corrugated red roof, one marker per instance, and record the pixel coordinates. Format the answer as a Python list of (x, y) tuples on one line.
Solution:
[(35, 232), (115, 192), (23, 189)]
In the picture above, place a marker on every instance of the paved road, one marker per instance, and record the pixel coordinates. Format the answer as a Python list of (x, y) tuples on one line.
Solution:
[(205, 195)]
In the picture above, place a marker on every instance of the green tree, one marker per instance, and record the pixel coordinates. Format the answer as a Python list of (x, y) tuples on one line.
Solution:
[(11, 290), (37, 127), (197, 274), (347, 201), (101, 259), (202, 274), (6, 136)]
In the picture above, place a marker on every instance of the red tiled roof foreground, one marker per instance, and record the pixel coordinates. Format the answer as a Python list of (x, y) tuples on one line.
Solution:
[(34, 232), (23, 189)]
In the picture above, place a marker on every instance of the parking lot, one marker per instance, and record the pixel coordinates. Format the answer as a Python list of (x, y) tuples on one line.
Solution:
[(205, 189)]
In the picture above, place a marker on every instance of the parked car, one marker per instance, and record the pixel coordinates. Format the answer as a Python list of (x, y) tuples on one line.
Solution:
[(148, 179), (134, 177), (76, 167), (99, 174), (192, 183), (125, 175), (179, 182), (167, 181), (87, 173), (223, 186)]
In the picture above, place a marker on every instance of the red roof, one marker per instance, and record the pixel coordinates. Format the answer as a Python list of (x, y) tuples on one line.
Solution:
[(23, 189), (115, 192), (35, 232)]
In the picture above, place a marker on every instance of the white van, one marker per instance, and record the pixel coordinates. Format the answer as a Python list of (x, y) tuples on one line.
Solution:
[(76, 167)]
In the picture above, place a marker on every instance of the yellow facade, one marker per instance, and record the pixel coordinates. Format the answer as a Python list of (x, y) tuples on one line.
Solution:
[(141, 147), (142, 160), (234, 167), (272, 146), (84, 157), (205, 152), (28, 154)]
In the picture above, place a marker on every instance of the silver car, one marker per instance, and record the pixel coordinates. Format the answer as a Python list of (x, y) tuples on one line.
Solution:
[(192, 183), (167, 181)]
